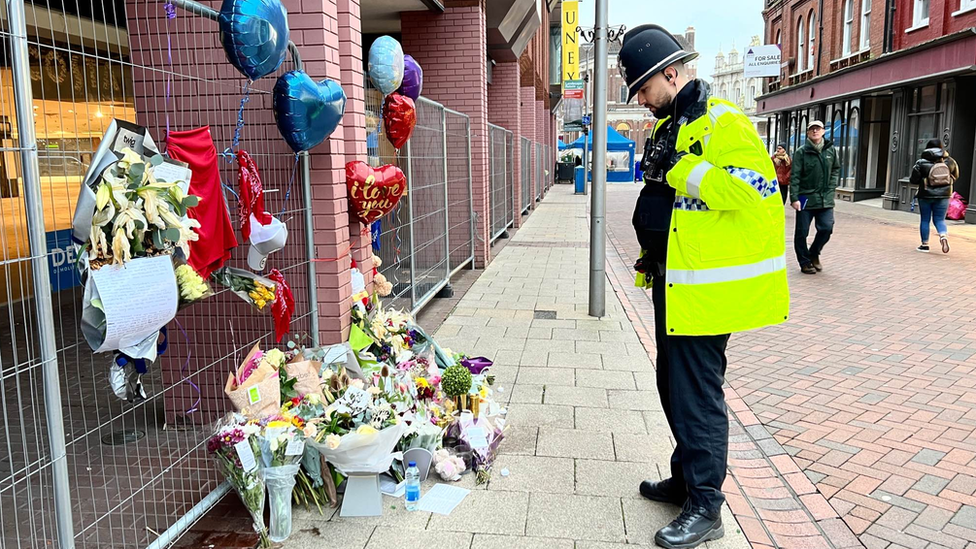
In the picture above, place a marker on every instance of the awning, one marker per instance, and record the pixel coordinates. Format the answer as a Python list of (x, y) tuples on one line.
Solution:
[(945, 56)]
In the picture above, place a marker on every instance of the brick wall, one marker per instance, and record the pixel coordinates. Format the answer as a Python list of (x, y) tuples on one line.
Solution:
[(502, 94), (942, 21), (206, 91), (451, 47)]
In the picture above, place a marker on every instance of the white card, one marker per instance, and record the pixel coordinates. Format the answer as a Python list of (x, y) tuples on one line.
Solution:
[(247, 456), (296, 447), (442, 499), (477, 437)]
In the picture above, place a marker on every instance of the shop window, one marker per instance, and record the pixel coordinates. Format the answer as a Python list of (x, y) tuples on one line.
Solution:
[(866, 24), (924, 118)]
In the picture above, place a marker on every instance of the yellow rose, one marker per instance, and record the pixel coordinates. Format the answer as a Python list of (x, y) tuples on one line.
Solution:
[(366, 430)]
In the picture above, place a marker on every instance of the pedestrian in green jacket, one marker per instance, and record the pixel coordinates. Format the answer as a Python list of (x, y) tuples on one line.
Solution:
[(813, 180)]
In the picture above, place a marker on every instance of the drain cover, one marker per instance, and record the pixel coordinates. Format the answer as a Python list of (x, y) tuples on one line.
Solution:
[(544, 315), (120, 438)]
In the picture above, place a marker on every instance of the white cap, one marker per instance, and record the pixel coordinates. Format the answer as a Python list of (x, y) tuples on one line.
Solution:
[(265, 240)]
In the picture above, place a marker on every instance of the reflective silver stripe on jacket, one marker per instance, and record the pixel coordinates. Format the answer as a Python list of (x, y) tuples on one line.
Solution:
[(726, 274)]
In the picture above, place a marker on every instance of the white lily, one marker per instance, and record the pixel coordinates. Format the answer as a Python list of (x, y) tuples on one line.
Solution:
[(99, 244), (121, 251), (153, 205)]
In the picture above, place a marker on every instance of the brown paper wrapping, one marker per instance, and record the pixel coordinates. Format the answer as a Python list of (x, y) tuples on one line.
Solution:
[(268, 386), (306, 374)]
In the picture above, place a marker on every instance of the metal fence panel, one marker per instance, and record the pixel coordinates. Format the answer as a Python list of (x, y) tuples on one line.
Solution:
[(135, 469), (429, 235), (497, 176), (461, 206), (526, 174)]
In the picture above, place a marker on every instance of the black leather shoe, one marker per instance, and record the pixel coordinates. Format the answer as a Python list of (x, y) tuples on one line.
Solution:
[(663, 491), (692, 528)]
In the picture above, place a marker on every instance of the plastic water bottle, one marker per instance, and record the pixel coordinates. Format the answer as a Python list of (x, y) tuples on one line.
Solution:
[(413, 486)]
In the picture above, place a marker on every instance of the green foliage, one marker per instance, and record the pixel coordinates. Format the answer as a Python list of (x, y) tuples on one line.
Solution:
[(456, 381)]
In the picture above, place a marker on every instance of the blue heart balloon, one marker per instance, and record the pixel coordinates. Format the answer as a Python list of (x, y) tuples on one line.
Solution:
[(254, 34), (306, 111), (386, 64)]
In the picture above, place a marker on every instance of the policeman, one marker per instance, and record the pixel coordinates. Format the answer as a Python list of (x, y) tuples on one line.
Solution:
[(711, 227)]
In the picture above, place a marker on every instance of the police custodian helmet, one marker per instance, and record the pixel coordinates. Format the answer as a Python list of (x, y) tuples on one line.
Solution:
[(646, 51)]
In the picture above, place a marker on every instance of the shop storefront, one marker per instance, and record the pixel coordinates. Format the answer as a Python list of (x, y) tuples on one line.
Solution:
[(880, 114), (75, 97)]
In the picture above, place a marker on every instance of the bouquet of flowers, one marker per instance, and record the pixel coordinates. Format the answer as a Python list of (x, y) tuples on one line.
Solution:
[(192, 286), (361, 428), (312, 486), (282, 444), (137, 215), (483, 435), (235, 447), (257, 291), (256, 386)]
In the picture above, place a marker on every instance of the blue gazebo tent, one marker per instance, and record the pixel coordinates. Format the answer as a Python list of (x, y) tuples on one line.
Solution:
[(620, 155)]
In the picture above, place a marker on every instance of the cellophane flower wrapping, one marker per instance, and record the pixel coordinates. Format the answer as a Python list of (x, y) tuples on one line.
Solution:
[(235, 447)]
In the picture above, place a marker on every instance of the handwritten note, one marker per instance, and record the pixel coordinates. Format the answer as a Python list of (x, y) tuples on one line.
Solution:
[(477, 437), (137, 299), (171, 171), (246, 454), (296, 447)]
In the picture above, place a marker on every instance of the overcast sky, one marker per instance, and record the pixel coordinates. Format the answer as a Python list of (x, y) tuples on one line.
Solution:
[(716, 24)]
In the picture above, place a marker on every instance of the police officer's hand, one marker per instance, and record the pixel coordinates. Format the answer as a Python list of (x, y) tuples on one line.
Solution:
[(796, 205), (675, 157)]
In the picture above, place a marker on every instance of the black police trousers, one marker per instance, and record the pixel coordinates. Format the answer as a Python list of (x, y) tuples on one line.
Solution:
[(690, 373)]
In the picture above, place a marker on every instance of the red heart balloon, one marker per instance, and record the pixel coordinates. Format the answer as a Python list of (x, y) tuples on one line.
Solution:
[(374, 192), (399, 119)]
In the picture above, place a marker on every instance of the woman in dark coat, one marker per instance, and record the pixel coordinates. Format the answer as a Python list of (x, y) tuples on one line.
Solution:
[(933, 202)]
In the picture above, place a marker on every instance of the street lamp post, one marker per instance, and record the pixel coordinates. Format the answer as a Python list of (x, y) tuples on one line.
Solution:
[(598, 205)]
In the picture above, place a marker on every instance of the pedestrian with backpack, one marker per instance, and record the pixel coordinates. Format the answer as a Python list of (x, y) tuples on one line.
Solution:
[(933, 174)]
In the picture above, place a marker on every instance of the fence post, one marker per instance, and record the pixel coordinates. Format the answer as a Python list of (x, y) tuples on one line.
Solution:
[(447, 291), (34, 205), (471, 218), (413, 244)]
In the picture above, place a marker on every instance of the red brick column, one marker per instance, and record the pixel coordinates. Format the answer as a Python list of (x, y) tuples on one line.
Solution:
[(354, 121), (329, 204), (452, 49), (529, 127), (505, 87)]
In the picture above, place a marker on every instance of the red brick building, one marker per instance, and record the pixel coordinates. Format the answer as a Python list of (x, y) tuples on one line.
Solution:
[(885, 76)]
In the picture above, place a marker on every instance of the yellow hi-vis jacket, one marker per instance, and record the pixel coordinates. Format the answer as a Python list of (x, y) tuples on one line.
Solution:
[(726, 268)]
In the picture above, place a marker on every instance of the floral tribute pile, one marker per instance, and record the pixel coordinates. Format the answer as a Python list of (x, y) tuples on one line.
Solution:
[(320, 414)]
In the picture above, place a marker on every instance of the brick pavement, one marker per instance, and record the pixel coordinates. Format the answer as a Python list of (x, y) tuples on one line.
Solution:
[(868, 390)]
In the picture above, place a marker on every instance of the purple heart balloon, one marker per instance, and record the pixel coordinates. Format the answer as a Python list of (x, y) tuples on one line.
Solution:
[(413, 78)]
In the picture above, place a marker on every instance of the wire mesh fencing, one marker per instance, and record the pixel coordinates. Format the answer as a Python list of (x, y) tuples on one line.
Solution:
[(499, 171), (137, 469), (526, 175), (430, 234), (510, 182)]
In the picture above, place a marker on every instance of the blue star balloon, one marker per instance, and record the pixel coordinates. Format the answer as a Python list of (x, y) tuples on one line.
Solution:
[(386, 64), (306, 111), (254, 34)]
